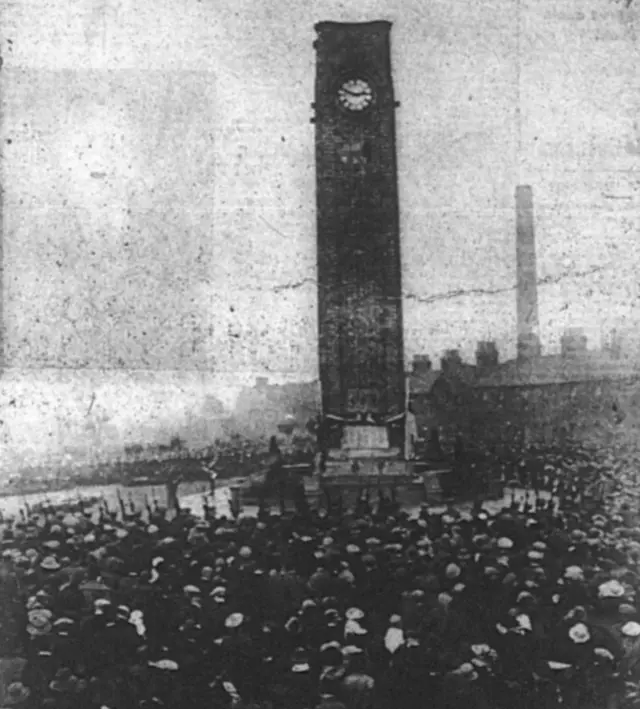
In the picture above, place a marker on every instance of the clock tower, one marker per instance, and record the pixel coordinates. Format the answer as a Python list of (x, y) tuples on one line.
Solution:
[(359, 269)]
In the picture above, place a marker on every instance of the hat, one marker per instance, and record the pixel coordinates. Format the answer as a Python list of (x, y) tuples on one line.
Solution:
[(452, 571), (245, 552), (523, 622), (579, 633), (152, 529), (63, 624), (16, 693), (631, 629), (191, 589), (50, 563), (354, 614), (164, 664), (40, 619), (94, 586), (51, 544), (352, 650), (505, 543), (39, 616), (611, 589), (234, 620), (603, 652), (574, 573), (121, 533)]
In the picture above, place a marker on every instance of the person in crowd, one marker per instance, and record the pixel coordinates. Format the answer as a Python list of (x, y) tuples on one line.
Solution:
[(529, 602), (275, 478)]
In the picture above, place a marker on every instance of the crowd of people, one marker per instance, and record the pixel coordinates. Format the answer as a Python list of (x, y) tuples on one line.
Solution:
[(530, 604)]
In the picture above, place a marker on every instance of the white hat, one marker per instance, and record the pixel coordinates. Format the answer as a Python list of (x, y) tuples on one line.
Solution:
[(611, 589), (574, 573), (579, 633), (354, 614), (50, 563), (164, 665), (631, 629), (452, 571), (234, 620)]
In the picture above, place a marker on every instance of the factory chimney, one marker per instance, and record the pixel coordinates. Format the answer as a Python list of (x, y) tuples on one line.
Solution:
[(527, 288)]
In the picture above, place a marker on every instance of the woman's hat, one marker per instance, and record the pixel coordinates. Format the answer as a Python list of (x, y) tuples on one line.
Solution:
[(40, 627), (39, 616), (235, 620), (16, 693), (50, 563), (631, 629)]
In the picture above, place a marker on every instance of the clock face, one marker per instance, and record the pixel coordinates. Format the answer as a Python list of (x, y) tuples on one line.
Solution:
[(355, 95)]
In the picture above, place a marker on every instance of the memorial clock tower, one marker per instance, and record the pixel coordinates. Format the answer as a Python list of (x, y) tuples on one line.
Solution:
[(359, 269)]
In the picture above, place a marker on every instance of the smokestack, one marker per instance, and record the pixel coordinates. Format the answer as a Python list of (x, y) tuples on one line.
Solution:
[(527, 286)]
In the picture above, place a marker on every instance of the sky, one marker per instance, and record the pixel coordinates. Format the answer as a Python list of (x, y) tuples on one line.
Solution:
[(159, 208)]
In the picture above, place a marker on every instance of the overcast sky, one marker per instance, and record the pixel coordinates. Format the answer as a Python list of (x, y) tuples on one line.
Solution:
[(159, 207)]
